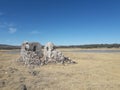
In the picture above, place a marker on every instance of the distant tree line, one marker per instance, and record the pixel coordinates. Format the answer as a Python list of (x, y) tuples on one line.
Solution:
[(2, 46), (92, 46)]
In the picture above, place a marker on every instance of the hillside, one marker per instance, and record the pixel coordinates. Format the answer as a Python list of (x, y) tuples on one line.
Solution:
[(4, 46), (92, 46)]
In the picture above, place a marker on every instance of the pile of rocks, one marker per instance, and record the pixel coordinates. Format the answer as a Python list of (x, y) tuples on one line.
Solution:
[(53, 55), (31, 58)]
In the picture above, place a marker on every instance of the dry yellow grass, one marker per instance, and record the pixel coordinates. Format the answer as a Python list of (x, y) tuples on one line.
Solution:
[(93, 71)]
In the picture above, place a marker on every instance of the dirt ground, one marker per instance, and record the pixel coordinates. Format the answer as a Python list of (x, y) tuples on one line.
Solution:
[(93, 71)]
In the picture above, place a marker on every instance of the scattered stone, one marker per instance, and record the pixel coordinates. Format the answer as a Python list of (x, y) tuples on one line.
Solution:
[(33, 73), (22, 87), (11, 70), (22, 79), (2, 83)]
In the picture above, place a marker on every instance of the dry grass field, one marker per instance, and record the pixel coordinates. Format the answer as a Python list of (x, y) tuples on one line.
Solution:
[(93, 71)]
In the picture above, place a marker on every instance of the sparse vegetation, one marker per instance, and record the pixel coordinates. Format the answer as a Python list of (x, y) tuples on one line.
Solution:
[(93, 71)]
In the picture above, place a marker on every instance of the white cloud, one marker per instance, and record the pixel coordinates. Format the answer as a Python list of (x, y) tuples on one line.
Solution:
[(6, 25), (12, 30), (35, 32), (9, 27)]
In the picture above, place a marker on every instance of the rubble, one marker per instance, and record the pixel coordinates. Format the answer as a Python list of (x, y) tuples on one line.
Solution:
[(33, 72), (53, 55), (22, 87), (2, 83)]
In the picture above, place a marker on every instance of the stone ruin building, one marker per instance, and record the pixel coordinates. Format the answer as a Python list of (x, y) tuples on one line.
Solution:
[(32, 54)]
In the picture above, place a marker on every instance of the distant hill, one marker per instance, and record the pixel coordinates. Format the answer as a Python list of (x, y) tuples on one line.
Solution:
[(92, 46), (4, 46)]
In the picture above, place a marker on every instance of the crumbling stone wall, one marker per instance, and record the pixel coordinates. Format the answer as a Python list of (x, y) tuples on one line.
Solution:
[(49, 47), (31, 53), (53, 55), (33, 46)]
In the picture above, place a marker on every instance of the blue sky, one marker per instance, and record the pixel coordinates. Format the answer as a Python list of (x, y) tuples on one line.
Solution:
[(63, 22)]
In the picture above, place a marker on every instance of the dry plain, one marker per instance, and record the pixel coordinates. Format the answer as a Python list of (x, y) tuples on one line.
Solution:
[(93, 71)]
